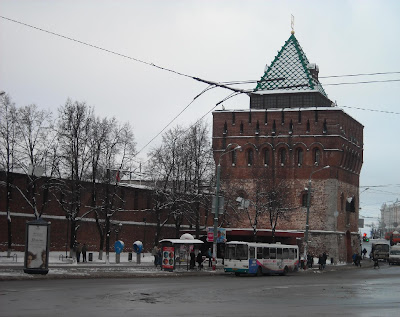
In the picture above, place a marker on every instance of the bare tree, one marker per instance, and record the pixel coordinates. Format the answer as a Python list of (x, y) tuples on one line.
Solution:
[(263, 201), (34, 143), (74, 126), (180, 168), (7, 153)]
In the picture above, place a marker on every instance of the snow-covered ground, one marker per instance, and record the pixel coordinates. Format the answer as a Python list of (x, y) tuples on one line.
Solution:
[(59, 258)]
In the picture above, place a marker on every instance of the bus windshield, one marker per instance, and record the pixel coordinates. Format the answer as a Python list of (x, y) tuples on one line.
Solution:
[(237, 252)]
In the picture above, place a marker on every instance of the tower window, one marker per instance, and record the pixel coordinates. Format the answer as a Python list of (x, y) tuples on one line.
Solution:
[(234, 158), (299, 117), (241, 127), (266, 117), (317, 156), (304, 200), (266, 157), (250, 157), (299, 157), (282, 156), (233, 118), (308, 126)]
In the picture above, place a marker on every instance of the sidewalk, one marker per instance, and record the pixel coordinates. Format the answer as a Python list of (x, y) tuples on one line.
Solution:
[(63, 268)]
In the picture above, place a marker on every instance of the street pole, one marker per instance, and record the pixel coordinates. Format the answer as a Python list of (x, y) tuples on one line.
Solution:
[(308, 210), (216, 211)]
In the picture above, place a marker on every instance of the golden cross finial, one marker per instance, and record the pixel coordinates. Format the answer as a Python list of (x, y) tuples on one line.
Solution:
[(292, 24)]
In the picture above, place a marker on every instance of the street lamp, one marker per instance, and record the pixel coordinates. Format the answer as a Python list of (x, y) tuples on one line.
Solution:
[(144, 235), (238, 147), (308, 208)]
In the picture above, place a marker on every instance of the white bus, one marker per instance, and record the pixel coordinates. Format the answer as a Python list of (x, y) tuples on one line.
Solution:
[(260, 258)]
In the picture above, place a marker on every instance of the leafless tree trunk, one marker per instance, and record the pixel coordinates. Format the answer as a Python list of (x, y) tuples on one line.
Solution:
[(7, 153)]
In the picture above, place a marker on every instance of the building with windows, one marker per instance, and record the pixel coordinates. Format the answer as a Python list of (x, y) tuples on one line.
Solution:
[(390, 217), (288, 135)]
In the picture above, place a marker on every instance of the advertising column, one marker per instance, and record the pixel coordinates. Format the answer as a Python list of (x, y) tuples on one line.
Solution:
[(37, 247)]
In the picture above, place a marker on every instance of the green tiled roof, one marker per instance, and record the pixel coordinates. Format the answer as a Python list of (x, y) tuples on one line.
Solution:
[(289, 71)]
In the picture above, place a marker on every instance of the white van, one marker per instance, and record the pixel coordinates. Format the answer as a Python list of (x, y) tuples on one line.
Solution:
[(394, 254)]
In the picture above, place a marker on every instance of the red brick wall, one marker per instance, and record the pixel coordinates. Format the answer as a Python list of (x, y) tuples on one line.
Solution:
[(133, 226), (337, 136)]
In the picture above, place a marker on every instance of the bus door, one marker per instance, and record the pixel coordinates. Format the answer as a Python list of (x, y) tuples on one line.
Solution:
[(252, 260)]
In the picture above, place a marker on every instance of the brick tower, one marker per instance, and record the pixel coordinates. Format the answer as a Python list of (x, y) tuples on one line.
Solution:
[(290, 134)]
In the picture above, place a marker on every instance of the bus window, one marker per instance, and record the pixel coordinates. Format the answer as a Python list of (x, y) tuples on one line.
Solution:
[(252, 252), (259, 253), (292, 254), (241, 252), (279, 253), (272, 253), (230, 251), (265, 253), (286, 253)]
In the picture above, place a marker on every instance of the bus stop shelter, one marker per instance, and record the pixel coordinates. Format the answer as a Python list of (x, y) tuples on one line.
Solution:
[(175, 253)]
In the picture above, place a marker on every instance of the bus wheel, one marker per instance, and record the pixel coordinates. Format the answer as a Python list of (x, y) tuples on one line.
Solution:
[(259, 271), (237, 274), (285, 271)]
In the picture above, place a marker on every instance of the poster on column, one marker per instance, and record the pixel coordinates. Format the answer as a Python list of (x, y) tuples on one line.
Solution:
[(168, 258), (36, 252)]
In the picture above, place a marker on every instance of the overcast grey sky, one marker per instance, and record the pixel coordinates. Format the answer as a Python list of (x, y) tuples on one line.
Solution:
[(214, 40)]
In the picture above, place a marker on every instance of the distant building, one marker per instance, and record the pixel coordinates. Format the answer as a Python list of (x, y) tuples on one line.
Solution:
[(390, 217), (289, 132)]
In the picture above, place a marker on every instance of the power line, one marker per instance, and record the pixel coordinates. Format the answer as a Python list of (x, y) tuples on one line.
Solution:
[(373, 110), (169, 123), (218, 84), (363, 82)]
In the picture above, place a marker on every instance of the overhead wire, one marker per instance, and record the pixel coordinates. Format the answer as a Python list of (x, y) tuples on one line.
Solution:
[(212, 84)]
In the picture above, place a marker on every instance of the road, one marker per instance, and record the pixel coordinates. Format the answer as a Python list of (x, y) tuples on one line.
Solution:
[(352, 292)]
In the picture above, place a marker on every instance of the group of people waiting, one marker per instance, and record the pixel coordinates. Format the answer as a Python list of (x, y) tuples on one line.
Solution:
[(156, 252), (321, 260), (79, 249)]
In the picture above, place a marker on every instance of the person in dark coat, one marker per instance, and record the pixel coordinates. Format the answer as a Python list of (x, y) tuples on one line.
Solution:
[(320, 261), (192, 259), (364, 252), (199, 260), (324, 257), (78, 251), (84, 250), (310, 260), (209, 255)]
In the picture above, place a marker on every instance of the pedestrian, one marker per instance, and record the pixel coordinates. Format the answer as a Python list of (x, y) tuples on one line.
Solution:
[(358, 260), (78, 251), (84, 250), (223, 255), (159, 257), (209, 255), (310, 260), (199, 260), (154, 253), (192, 259), (325, 257), (364, 252), (376, 263), (320, 261)]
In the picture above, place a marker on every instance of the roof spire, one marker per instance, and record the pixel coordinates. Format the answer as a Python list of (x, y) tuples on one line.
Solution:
[(292, 24)]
